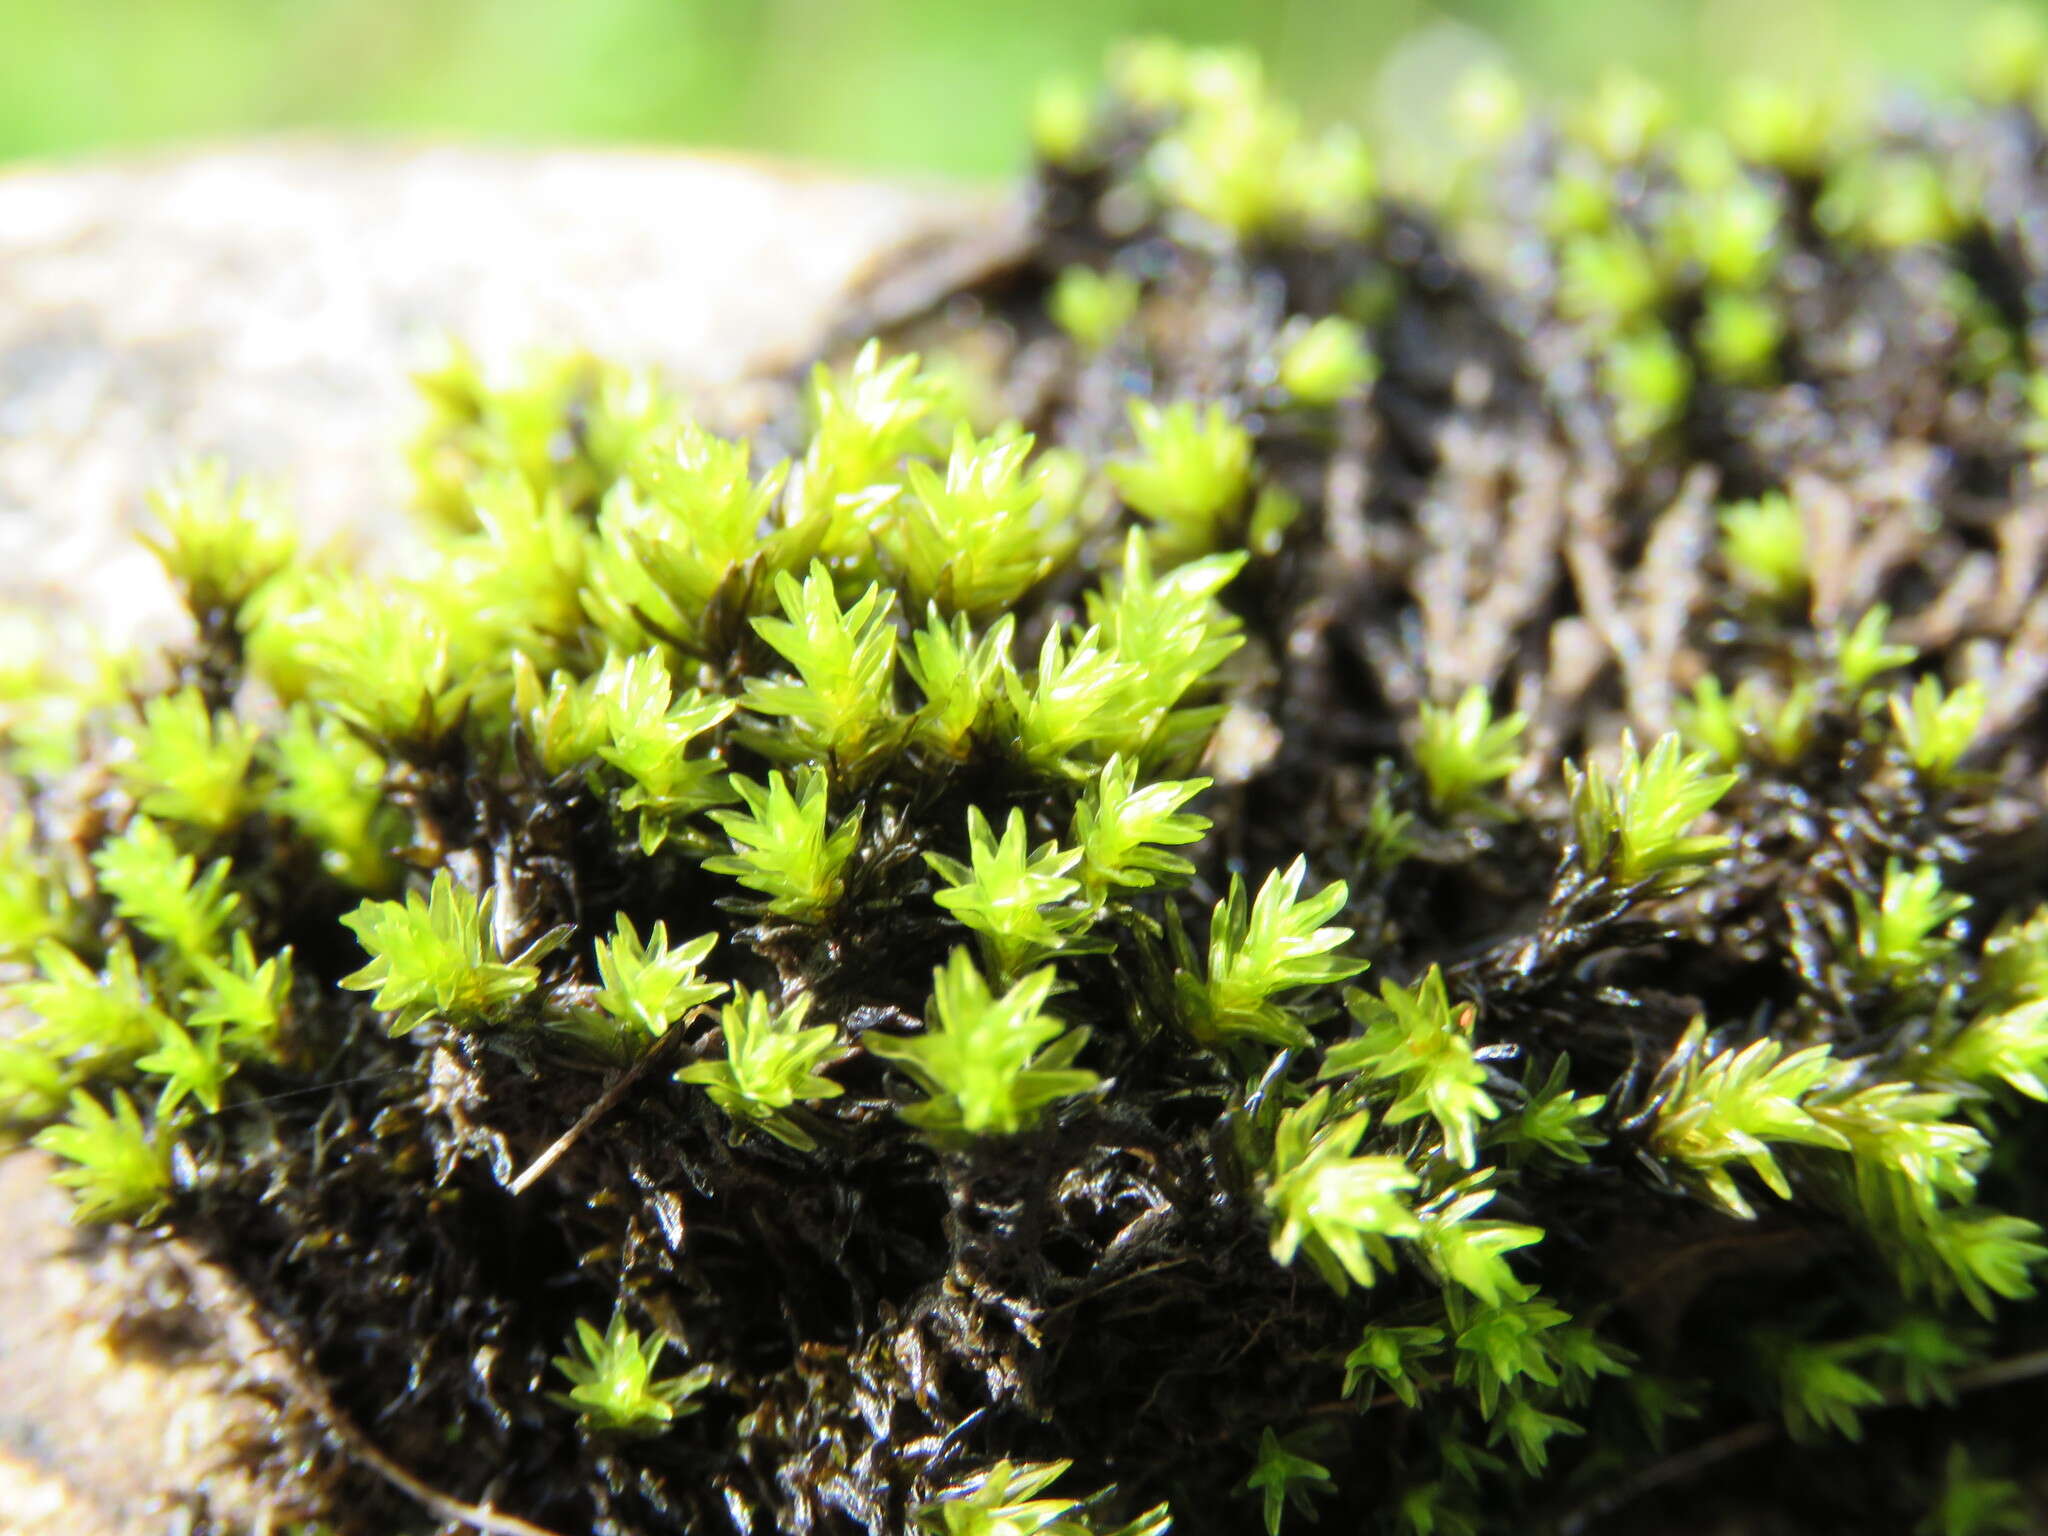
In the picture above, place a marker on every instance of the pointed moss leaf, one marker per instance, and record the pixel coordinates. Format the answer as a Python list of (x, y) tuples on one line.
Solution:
[(521, 574), (1123, 830), (34, 903), (1821, 1391), (1282, 1476), (1002, 1500), (1713, 721), (191, 1063), (1556, 1120), (961, 677), (1420, 1049), (1910, 928), (840, 706), (35, 1082), (1915, 1176), (564, 722), (1530, 1430), (330, 784), (785, 848), (647, 987), (218, 539), (1473, 1253), (1502, 1344), (119, 1169), (567, 425), (1634, 822), (1337, 1208), (771, 1063), (1432, 1509), (105, 1017), (163, 893), (1463, 749), (1909, 1156), (612, 1380), (384, 660), (1717, 1108), (1019, 899), (1986, 1253), (989, 1063), (1928, 1350), (1189, 477), (438, 957), (1970, 1502), (1173, 636), (190, 765), (867, 421), (977, 538), (1393, 1357), (650, 735), (244, 998), (683, 543), (2014, 966), (1750, 723), (1862, 654), (2008, 1046), (1259, 949), (1239, 160), (1937, 728), (1070, 709)]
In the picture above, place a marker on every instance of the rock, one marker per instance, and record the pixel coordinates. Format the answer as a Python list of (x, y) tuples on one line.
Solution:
[(101, 1427), (266, 304)]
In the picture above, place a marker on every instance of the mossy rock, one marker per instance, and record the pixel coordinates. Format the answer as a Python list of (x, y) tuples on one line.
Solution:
[(810, 982)]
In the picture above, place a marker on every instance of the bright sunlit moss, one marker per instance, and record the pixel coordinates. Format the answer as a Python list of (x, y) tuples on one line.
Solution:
[(771, 1063), (1636, 821), (989, 1063), (1093, 307), (1326, 362), (1463, 749), (441, 957), (1764, 543), (1190, 475)]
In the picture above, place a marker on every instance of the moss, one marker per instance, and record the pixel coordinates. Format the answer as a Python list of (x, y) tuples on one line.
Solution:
[(876, 912)]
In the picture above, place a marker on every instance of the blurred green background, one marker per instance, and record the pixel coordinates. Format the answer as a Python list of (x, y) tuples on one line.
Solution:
[(872, 84)]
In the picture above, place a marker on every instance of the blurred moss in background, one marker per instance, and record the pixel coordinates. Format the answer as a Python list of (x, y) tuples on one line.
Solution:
[(931, 85)]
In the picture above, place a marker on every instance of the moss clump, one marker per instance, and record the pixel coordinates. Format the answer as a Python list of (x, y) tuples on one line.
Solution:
[(877, 913)]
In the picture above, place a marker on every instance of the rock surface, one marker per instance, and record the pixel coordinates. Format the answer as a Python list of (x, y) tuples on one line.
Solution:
[(266, 304)]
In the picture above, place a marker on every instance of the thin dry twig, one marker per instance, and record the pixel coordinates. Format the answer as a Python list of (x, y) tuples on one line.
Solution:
[(601, 1106)]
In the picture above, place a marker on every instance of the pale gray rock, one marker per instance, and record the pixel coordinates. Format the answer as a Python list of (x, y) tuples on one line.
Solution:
[(266, 304)]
